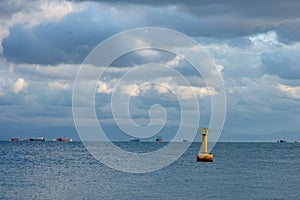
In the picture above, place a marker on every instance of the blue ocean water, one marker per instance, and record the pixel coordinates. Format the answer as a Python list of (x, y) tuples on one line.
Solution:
[(54, 170)]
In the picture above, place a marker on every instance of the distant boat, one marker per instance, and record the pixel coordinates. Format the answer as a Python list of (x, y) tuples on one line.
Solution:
[(15, 139), (40, 138), (184, 140), (296, 141), (281, 141), (159, 139), (134, 140), (64, 139)]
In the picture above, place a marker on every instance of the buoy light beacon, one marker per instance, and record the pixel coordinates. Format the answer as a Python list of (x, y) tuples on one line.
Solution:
[(204, 156)]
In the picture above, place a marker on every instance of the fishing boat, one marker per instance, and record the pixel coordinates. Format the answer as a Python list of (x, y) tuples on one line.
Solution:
[(15, 139), (40, 138), (63, 139), (281, 141), (134, 140), (159, 139)]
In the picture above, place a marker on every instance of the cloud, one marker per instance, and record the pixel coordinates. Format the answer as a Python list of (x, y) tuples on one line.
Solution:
[(56, 85), (2, 84), (254, 45), (175, 61), (32, 13), (2, 93), (282, 62), (263, 54), (290, 90), (20, 86), (61, 71), (265, 40), (162, 82), (185, 92), (257, 106), (103, 87), (38, 12), (131, 90), (51, 44), (215, 18)]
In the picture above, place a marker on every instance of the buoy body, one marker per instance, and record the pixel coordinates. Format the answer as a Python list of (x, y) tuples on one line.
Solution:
[(204, 156)]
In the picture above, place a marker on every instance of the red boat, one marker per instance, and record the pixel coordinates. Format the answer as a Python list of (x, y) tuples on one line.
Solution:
[(15, 139), (63, 139)]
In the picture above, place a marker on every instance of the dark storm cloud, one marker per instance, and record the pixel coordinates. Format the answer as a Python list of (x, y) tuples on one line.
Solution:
[(289, 31), (270, 9), (54, 43), (72, 38), (222, 19)]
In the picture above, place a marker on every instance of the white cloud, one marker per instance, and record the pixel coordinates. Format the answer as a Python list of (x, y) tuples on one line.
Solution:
[(140, 42), (45, 11), (162, 88), (103, 87), (63, 71), (175, 61), (185, 92), (219, 68), (149, 53), (132, 90), (290, 90), (200, 91), (263, 40), (56, 85), (19, 86)]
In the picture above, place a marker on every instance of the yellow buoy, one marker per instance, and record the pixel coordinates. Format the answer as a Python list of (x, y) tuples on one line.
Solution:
[(204, 156)]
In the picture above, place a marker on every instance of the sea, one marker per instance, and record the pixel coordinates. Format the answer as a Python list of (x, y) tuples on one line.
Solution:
[(66, 170)]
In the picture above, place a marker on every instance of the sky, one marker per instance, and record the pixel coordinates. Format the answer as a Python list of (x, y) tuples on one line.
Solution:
[(255, 46)]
